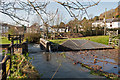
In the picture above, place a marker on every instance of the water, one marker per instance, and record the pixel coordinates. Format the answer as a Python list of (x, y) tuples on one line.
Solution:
[(47, 63), (107, 59)]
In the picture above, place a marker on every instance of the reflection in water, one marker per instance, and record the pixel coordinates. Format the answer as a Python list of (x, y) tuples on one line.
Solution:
[(48, 56), (98, 59), (47, 63)]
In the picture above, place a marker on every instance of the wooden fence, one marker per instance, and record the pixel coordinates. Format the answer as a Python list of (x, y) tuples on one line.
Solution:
[(6, 59)]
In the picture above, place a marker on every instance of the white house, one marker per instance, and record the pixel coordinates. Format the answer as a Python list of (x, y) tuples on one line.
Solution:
[(59, 29), (99, 23), (4, 27), (110, 23), (115, 23)]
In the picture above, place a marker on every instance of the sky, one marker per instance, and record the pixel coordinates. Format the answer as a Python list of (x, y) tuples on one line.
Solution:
[(100, 8), (52, 7), (95, 10)]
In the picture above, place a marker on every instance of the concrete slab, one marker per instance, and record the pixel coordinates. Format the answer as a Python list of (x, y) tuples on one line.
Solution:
[(82, 45)]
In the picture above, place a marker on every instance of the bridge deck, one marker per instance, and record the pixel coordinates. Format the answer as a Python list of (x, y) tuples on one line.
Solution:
[(83, 45)]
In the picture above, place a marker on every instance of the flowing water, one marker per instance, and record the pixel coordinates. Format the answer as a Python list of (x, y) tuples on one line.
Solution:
[(106, 59), (47, 63)]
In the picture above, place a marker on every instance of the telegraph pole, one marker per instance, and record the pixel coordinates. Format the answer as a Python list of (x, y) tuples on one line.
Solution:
[(105, 22)]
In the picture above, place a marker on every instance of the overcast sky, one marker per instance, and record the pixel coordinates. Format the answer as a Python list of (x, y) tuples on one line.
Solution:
[(95, 11)]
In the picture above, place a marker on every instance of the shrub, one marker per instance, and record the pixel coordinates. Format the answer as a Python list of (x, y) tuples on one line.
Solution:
[(33, 37)]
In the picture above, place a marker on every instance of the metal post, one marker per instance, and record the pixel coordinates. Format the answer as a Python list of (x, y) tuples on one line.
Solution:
[(105, 22)]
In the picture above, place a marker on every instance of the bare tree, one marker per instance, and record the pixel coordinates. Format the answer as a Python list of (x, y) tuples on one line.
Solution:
[(16, 8), (72, 6)]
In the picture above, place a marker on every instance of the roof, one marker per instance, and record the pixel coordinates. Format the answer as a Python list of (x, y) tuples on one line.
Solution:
[(98, 21), (19, 29), (116, 20), (109, 20), (7, 25), (35, 25), (58, 27)]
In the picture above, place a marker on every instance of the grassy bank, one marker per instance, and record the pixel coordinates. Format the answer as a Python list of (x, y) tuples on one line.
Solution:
[(22, 68), (99, 39), (93, 70), (4, 40)]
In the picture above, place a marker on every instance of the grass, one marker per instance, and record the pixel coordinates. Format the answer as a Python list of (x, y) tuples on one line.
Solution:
[(4, 40), (110, 76), (99, 39)]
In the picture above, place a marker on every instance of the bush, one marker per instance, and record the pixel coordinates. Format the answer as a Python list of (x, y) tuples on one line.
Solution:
[(92, 32), (33, 37)]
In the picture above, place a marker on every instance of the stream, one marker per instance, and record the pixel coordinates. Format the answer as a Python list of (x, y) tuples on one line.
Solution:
[(47, 63)]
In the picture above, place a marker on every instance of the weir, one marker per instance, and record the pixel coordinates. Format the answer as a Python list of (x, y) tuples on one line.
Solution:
[(82, 45), (72, 45)]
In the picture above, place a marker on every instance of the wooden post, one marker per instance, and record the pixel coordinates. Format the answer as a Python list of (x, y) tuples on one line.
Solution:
[(26, 45), (4, 75), (47, 47), (19, 38), (23, 37), (12, 45), (119, 43), (10, 59), (41, 46), (9, 37)]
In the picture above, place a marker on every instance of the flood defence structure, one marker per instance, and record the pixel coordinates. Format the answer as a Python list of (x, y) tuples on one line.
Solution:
[(45, 45), (72, 45), (77, 45)]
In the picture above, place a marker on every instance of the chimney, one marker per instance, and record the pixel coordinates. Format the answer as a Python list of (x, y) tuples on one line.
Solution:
[(113, 18), (28, 25)]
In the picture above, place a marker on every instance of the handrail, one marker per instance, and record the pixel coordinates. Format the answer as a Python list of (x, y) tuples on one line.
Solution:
[(10, 48), (4, 72)]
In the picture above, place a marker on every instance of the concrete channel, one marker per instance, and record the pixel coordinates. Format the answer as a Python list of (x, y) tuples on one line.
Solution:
[(82, 45), (72, 45)]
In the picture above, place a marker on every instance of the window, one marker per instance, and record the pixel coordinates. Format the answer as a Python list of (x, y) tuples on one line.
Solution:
[(110, 24)]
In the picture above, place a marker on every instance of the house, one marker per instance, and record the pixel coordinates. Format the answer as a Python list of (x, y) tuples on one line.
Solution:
[(35, 28), (5, 27), (115, 23), (28, 30), (43, 28), (99, 23), (110, 23), (19, 30), (59, 29)]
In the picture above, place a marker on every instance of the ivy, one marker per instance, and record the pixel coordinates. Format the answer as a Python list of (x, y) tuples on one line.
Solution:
[(18, 63)]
